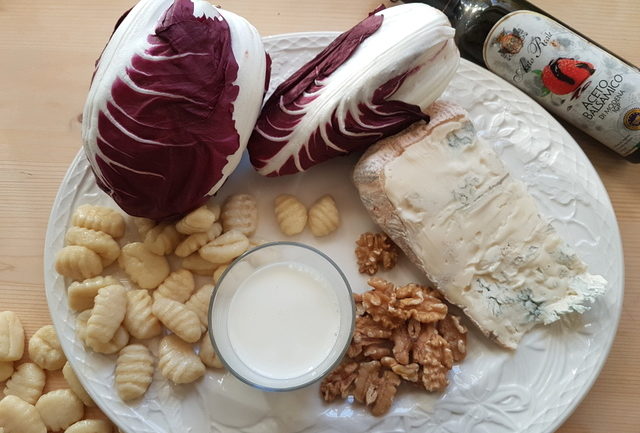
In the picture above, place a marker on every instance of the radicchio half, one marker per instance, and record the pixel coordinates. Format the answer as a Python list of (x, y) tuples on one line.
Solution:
[(371, 82), (172, 104)]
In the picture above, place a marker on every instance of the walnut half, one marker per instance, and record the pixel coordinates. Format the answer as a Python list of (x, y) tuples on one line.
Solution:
[(374, 250)]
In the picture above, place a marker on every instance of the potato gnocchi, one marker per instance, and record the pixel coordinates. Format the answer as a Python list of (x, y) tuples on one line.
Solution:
[(162, 239), (107, 315), (99, 242), (119, 340), (197, 240), (177, 361), (207, 355), (99, 218), (218, 273), (291, 214), (26, 382), (134, 371), (76, 386), (196, 221), (177, 318), (143, 267), (240, 213), (225, 247), (45, 350), (90, 426), (324, 217), (196, 264), (18, 416), (59, 409), (81, 294), (178, 286), (139, 320), (143, 225), (78, 262), (11, 337), (199, 304)]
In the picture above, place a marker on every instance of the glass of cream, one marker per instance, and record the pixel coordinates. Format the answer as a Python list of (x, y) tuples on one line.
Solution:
[(281, 316)]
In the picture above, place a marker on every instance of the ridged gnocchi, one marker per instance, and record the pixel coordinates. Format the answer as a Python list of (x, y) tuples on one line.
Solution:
[(225, 247), (81, 294), (26, 382), (78, 262), (291, 214), (108, 312), (196, 221), (324, 217), (119, 340), (90, 426), (177, 318), (76, 386), (139, 320), (240, 212), (11, 337), (197, 240), (99, 218), (196, 264), (207, 354), (178, 286), (143, 267), (162, 239), (6, 370), (45, 350), (99, 242), (134, 371), (199, 304), (59, 409), (18, 416), (143, 225), (177, 361)]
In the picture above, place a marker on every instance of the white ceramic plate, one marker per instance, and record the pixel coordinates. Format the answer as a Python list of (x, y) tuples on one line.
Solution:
[(531, 390)]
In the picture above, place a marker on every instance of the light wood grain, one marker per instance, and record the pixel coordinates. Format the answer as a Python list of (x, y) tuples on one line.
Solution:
[(47, 52)]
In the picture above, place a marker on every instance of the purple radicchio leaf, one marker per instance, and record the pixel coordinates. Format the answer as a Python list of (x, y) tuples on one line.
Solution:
[(301, 126), (164, 132)]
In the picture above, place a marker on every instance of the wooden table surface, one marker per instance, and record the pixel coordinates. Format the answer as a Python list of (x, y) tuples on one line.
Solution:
[(47, 53)]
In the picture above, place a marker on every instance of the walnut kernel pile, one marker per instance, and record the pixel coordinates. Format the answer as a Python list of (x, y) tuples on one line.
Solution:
[(375, 250), (401, 333)]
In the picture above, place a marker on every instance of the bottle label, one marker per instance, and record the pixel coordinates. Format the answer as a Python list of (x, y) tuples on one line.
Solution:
[(569, 76)]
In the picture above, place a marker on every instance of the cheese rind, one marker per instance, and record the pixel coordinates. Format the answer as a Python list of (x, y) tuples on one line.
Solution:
[(476, 232)]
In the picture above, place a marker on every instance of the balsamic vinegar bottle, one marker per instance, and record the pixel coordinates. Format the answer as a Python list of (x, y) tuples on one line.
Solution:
[(568, 74)]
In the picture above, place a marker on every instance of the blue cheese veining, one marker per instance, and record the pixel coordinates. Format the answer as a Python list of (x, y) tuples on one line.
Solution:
[(477, 233)]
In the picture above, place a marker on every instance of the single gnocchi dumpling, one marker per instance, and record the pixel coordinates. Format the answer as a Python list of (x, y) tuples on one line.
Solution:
[(196, 221), (177, 361), (6, 370), (225, 247), (59, 409), (197, 240), (45, 349), (90, 426), (18, 416), (81, 294), (139, 319), (196, 264), (107, 315), (11, 337), (119, 340), (217, 274), (143, 267), (178, 286), (177, 318), (199, 304), (291, 214), (134, 371), (324, 217), (162, 239), (76, 386), (26, 382), (240, 213), (99, 218), (78, 263), (207, 354), (99, 242)]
